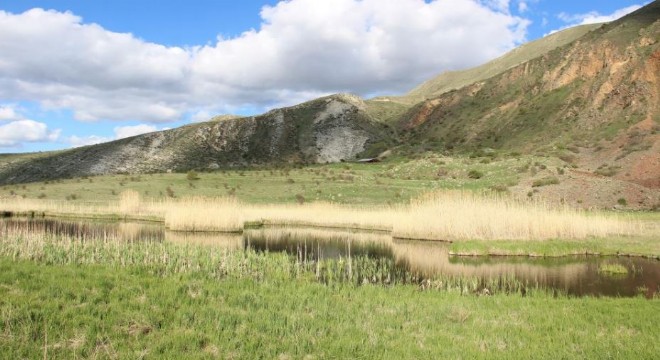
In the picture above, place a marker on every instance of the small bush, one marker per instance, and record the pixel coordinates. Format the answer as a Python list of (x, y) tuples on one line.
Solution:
[(475, 174), (192, 175), (41, 196), (622, 202), (300, 199), (551, 180), (569, 158), (499, 188), (170, 192), (607, 170)]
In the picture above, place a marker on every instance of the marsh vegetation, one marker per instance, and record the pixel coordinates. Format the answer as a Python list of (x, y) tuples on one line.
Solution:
[(202, 270)]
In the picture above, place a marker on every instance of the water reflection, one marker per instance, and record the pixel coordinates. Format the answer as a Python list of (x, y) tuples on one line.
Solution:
[(77, 229), (225, 241), (576, 275)]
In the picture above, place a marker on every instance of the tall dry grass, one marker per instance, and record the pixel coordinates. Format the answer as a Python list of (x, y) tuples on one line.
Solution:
[(204, 214), (462, 216), (324, 215), (439, 216), (130, 204)]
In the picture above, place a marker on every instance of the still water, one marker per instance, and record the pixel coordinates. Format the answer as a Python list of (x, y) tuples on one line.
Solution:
[(574, 275)]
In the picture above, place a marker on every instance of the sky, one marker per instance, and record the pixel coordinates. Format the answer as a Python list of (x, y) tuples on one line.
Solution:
[(75, 73)]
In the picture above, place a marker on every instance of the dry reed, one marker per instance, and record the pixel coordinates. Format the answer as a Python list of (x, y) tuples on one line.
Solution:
[(204, 214), (466, 216), (439, 216)]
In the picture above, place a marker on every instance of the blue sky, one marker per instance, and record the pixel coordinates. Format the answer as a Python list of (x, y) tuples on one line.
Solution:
[(80, 72)]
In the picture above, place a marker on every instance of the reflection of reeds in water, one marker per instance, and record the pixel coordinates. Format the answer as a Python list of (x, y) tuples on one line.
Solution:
[(217, 240), (399, 260), (305, 233), (82, 230), (428, 259), (318, 243)]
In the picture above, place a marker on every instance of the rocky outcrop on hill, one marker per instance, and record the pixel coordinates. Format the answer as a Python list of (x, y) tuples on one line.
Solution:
[(329, 129)]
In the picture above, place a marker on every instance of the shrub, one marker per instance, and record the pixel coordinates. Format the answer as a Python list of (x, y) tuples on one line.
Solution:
[(499, 188), (475, 174), (569, 158), (169, 192), (551, 180), (622, 202), (192, 175), (607, 170), (300, 199)]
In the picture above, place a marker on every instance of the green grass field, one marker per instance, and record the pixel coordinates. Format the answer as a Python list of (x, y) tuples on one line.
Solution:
[(65, 311), (65, 298), (100, 300), (394, 181), (612, 246)]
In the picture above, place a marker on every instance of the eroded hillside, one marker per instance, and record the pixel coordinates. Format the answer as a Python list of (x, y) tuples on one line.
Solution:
[(329, 129), (593, 102)]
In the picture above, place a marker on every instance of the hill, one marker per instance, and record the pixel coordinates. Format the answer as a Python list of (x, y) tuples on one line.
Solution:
[(594, 102), (329, 129)]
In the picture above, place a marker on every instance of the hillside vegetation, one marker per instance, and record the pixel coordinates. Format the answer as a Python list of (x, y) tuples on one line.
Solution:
[(593, 102)]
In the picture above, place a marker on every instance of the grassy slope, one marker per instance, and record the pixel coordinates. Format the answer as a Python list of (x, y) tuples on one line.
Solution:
[(394, 181), (389, 109), (100, 311), (548, 101)]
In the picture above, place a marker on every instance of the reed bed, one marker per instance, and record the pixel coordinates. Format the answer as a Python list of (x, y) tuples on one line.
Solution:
[(456, 216), (130, 205), (204, 214), (324, 215), (444, 216)]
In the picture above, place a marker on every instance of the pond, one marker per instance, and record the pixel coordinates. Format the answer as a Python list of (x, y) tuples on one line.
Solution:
[(573, 275)]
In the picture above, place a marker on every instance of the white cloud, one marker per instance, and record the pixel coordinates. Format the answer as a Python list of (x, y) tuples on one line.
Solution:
[(522, 7), (8, 112), (303, 49), (128, 131), (77, 141), (201, 115), (499, 5), (120, 132), (594, 17), (15, 133)]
